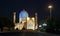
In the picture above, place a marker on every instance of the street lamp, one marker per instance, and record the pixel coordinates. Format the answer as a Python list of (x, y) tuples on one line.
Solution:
[(50, 7)]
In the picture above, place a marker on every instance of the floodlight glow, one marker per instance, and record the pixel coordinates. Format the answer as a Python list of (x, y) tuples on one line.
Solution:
[(33, 18), (28, 18)]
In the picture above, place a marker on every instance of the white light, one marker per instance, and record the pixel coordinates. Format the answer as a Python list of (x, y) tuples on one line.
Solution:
[(50, 6), (44, 24), (40, 25)]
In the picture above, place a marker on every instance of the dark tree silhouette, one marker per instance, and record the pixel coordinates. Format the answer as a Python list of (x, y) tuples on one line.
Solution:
[(6, 22), (50, 25), (1, 24), (57, 24)]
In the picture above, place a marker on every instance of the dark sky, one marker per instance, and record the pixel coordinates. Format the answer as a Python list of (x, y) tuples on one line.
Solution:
[(7, 7)]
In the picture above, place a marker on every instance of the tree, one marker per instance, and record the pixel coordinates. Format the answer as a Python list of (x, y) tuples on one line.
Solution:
[(1, 24), (57, 24), (6, 22), (50, 25)]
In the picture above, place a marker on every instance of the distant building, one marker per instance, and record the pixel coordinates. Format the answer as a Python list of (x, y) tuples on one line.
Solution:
[(25, 21)]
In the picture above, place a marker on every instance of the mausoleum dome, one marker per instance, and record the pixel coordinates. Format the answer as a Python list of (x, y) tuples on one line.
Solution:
[(23, 14)]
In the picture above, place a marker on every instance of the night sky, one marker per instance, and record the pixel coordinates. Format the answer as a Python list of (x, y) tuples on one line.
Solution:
[(7, 7)]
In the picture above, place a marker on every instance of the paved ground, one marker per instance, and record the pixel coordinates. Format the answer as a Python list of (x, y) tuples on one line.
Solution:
[(18, 33)]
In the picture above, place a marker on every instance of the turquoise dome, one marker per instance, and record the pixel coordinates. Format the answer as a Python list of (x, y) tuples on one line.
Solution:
[(23, 14)]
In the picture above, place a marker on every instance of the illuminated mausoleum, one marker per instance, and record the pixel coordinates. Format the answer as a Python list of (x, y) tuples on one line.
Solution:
[(25, 21)]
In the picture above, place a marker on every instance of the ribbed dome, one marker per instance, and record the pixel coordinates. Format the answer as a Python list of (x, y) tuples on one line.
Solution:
[(23, 14)]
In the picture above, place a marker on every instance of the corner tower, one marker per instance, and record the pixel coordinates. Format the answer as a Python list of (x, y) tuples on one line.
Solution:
[(14, 17)]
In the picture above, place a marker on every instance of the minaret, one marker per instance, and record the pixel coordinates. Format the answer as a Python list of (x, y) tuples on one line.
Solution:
[(14, 17), (36, 24)]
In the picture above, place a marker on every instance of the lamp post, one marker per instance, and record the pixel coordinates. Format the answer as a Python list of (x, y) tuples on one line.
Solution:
[(50, 7)]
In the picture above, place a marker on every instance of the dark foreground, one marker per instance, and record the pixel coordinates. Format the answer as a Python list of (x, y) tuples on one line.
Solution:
[(18, 33)]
